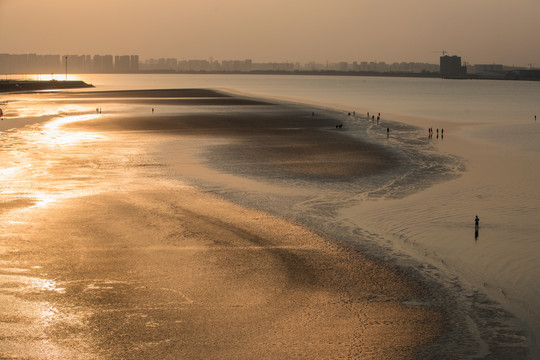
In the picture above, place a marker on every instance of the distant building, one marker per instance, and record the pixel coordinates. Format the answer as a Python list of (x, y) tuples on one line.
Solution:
[(450, 66), (194, 65), (78, 63), (121, 64), (524, 74), (103, 64), (488, 70), (272, 66), (134, 63), (29, 64), (236, 65)]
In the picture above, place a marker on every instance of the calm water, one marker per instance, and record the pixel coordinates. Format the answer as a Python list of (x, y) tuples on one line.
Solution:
[(455, 100), (489, 125)]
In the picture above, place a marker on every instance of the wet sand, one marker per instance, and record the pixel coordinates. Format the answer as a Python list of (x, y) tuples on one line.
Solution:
[(149, 267)]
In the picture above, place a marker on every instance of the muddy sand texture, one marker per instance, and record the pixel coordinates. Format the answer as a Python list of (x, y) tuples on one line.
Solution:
[(179, 274), (175, 273), (268, 140)]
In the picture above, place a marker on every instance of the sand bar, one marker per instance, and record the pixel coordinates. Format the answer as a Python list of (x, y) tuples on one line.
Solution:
[(146, 266)]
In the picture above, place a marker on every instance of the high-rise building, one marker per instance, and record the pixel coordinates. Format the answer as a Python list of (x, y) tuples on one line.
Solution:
[(134, 63), (78, 63), (103, 64), (29, 64), (121, 64), (450, 66)]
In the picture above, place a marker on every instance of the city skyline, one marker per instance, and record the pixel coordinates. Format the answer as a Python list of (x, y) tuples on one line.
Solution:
[(39, 64), (300, 31), (449, 67)]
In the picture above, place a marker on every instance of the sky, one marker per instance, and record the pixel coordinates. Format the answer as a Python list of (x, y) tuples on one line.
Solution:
[(480, 31)]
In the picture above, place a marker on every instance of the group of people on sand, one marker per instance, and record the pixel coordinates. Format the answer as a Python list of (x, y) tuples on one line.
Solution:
[(340, 125), (373, 117), (430, 133)]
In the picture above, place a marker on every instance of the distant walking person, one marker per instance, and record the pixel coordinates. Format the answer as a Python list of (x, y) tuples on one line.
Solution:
[(476, 222)]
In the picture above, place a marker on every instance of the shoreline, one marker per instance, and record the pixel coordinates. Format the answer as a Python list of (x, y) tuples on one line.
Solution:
[(264, 149)]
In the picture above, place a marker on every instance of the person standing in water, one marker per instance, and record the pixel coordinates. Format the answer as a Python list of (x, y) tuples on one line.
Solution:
[(476, 222)]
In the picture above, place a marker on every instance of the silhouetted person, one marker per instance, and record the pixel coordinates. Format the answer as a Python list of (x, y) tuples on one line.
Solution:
[(313, 114), (387, 133), (476, 226)]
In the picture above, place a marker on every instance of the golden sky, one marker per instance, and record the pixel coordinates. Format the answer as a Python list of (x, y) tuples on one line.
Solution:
[(480, 31)]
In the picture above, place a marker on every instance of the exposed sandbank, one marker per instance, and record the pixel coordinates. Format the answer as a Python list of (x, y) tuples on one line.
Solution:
[(154, 269), (173, 273), (273, 140)]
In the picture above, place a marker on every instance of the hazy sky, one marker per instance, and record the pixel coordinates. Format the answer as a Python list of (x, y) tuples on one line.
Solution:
[(480, 31)]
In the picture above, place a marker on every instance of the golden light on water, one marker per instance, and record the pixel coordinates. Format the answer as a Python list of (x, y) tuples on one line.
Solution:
[(40, 172), (58, 77), (57, 123)]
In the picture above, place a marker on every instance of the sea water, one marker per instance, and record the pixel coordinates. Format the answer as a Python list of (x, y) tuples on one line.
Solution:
[(489, 127)]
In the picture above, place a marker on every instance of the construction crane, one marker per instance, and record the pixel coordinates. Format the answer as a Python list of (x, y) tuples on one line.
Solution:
[(444, 52)]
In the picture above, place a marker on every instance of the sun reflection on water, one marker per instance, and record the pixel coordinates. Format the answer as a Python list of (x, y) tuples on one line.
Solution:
[(55, 124), (44, 163), (57, 77), (54, 135)]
